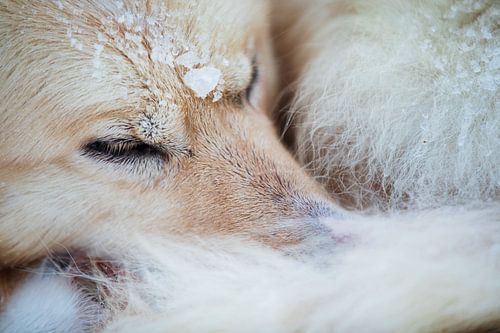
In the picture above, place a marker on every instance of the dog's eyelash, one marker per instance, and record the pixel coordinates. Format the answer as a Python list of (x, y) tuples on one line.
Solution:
[(253, 81), (123, 150)]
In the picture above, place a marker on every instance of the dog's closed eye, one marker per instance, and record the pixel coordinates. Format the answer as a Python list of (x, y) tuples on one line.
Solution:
[(253, 81), (124, 150), (250, 91)]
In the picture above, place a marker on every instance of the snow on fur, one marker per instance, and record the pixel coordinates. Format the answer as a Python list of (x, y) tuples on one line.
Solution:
[(400, 103), (170, 45), (202, 80)]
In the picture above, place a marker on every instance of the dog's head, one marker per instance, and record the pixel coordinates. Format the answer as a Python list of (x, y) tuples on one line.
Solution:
[(141, 116)]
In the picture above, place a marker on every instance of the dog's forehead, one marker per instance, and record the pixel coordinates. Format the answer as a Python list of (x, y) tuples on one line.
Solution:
[(70, 64), (95, 52), (172, 57), (169, 38), (169, 49)]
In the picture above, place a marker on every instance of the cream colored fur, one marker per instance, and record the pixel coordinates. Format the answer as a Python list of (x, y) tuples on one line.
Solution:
[(434, 271), (220, 241), (48, 304), (397, 102)]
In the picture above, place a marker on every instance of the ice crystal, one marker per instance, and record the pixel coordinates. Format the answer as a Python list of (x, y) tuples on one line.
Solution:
[(202, 80), (189, 60)]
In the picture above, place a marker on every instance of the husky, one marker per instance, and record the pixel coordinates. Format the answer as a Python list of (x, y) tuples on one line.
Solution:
[(144, 186)]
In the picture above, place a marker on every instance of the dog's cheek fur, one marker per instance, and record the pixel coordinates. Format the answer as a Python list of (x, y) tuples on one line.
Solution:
[(397, 102)]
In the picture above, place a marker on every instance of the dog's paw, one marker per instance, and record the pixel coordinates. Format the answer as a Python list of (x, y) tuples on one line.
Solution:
[(65, 293)]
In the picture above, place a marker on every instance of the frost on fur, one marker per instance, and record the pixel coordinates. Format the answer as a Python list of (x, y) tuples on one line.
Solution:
[(169, 45), (400, 105)]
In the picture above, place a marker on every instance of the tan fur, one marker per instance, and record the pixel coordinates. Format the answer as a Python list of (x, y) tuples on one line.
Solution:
[(75, 72), (226, 173)]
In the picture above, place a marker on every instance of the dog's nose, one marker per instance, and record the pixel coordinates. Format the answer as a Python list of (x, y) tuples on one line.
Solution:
[(318, 209), (312, 227)]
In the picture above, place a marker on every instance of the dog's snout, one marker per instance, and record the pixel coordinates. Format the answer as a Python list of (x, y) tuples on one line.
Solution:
[(243, 180)]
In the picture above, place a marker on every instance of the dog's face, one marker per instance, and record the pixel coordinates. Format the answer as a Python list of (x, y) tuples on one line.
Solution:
[(145, 116)]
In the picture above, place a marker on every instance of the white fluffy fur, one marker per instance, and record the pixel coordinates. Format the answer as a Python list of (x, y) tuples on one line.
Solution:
[(395, 96), (413, 272), (416, 272), (399, 102), (45, 304)]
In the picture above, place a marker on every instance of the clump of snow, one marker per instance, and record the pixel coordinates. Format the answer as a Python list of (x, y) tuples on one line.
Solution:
[(217, 96), (127, 19), (135, 38), (203, 80), (189, 60), (218, 90), (161, 53)]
